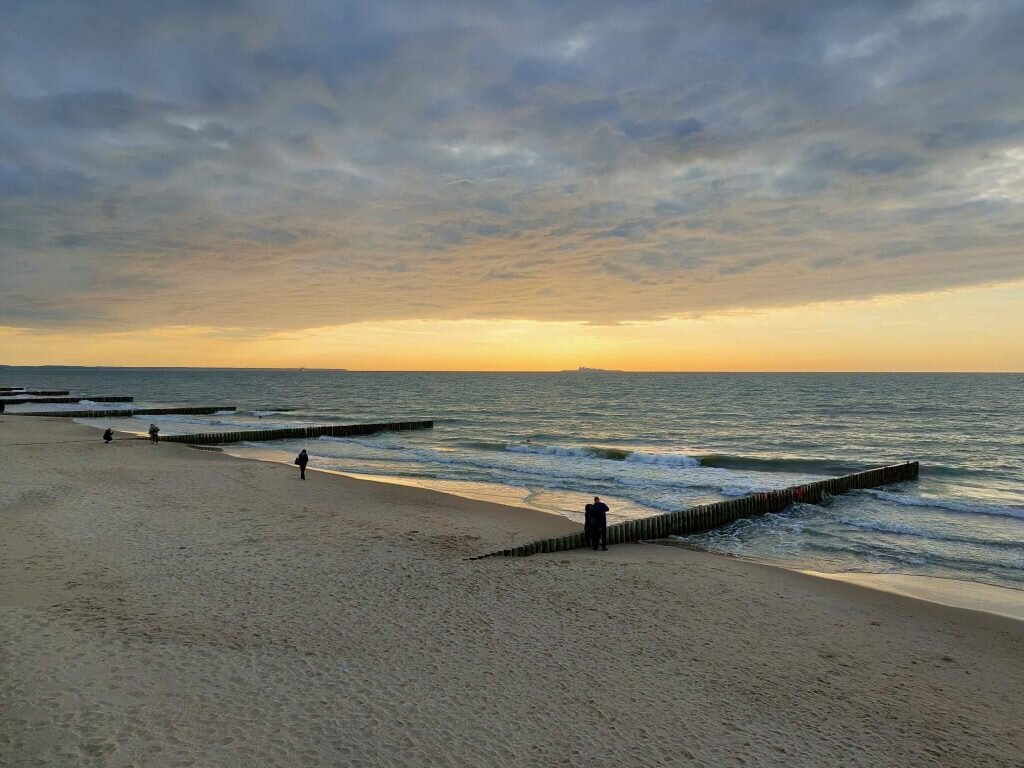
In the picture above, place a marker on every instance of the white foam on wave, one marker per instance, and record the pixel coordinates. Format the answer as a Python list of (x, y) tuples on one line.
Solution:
[(548, 469), (176, 418), (663, 459), (552, 450), (918, 532), (968, 507), (668, 474), (80, 405), (606, 454), (378, 444)]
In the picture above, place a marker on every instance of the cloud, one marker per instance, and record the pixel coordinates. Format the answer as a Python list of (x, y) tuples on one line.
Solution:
[(256, 164), (972, 133)]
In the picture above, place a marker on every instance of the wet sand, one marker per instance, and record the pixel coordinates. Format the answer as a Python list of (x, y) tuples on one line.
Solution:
[(164, 606), (975, 597)]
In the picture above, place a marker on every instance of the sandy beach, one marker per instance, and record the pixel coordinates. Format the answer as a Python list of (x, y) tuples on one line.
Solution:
[(165, 606)]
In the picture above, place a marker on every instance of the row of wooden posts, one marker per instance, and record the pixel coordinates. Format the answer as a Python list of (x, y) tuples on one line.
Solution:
[(111, 413), (332, 430), (214, 438), (708, 516), (23, 391), (94, 399)]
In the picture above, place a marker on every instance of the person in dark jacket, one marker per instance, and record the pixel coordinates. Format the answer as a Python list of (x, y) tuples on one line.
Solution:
[(154, 434), (302, 460), (599, 512), (588, 523), (108, 435)]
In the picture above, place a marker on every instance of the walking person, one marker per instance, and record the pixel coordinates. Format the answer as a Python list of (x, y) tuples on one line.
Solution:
[(154, 434), (302, 460), (108, 435), (599, 511)]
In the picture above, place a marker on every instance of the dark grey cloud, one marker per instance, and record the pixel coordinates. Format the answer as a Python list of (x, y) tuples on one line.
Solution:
[(247, 162), (971, 133)]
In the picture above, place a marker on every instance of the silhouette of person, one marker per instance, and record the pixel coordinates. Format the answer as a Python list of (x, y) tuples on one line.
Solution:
[(302, 460), (599, 511), (108, 435), (154, 434)]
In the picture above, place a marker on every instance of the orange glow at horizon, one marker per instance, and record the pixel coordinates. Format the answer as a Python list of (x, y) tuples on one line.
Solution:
[(965, 330)]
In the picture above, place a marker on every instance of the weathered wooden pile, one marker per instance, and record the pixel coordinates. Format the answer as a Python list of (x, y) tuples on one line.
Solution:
[(188, 410), (17, 396), (27, 391), (707, 516), (333, 430), (93, 398)]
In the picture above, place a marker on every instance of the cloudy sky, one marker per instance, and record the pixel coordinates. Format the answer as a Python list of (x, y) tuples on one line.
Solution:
[(741, 184)]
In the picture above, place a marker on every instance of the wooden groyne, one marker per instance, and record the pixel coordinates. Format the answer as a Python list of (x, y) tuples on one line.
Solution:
[(47, 392), (27, 400), (335, 430), (184, 410), (708, 516), (44, 400), (19, 398)]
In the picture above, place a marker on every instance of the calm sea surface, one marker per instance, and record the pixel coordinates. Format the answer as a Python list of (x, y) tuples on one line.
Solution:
[(656, 442)]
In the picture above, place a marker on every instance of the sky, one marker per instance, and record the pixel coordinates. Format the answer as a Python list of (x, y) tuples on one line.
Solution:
[(513, 185)]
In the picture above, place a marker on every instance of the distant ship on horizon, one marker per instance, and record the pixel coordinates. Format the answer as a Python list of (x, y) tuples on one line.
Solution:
[(584, 369)]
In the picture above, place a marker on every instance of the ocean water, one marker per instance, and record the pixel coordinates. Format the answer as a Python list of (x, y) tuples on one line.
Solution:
[(650, 443)]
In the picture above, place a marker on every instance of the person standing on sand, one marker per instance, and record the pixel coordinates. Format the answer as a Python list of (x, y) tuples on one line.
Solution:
[(302, 460), (154, 434), (599, 511), (588, 524), (108, 435)]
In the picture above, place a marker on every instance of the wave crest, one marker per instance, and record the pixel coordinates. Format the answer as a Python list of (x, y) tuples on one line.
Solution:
[(968, 507), (663, 459), (606, 453), (831, 467)]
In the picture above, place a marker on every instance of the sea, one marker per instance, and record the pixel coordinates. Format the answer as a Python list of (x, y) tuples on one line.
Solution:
[(650, 443)]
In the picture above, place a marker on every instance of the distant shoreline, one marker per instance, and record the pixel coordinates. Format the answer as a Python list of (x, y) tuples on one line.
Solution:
[(584, 369)]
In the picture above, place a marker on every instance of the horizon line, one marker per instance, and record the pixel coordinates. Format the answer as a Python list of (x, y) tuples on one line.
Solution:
[(562, 370)]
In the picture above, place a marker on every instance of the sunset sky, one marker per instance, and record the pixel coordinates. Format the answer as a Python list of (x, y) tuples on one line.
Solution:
[(684, 185)]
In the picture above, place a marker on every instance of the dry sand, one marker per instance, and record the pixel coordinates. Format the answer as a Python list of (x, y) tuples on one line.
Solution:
[(163, 606)]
